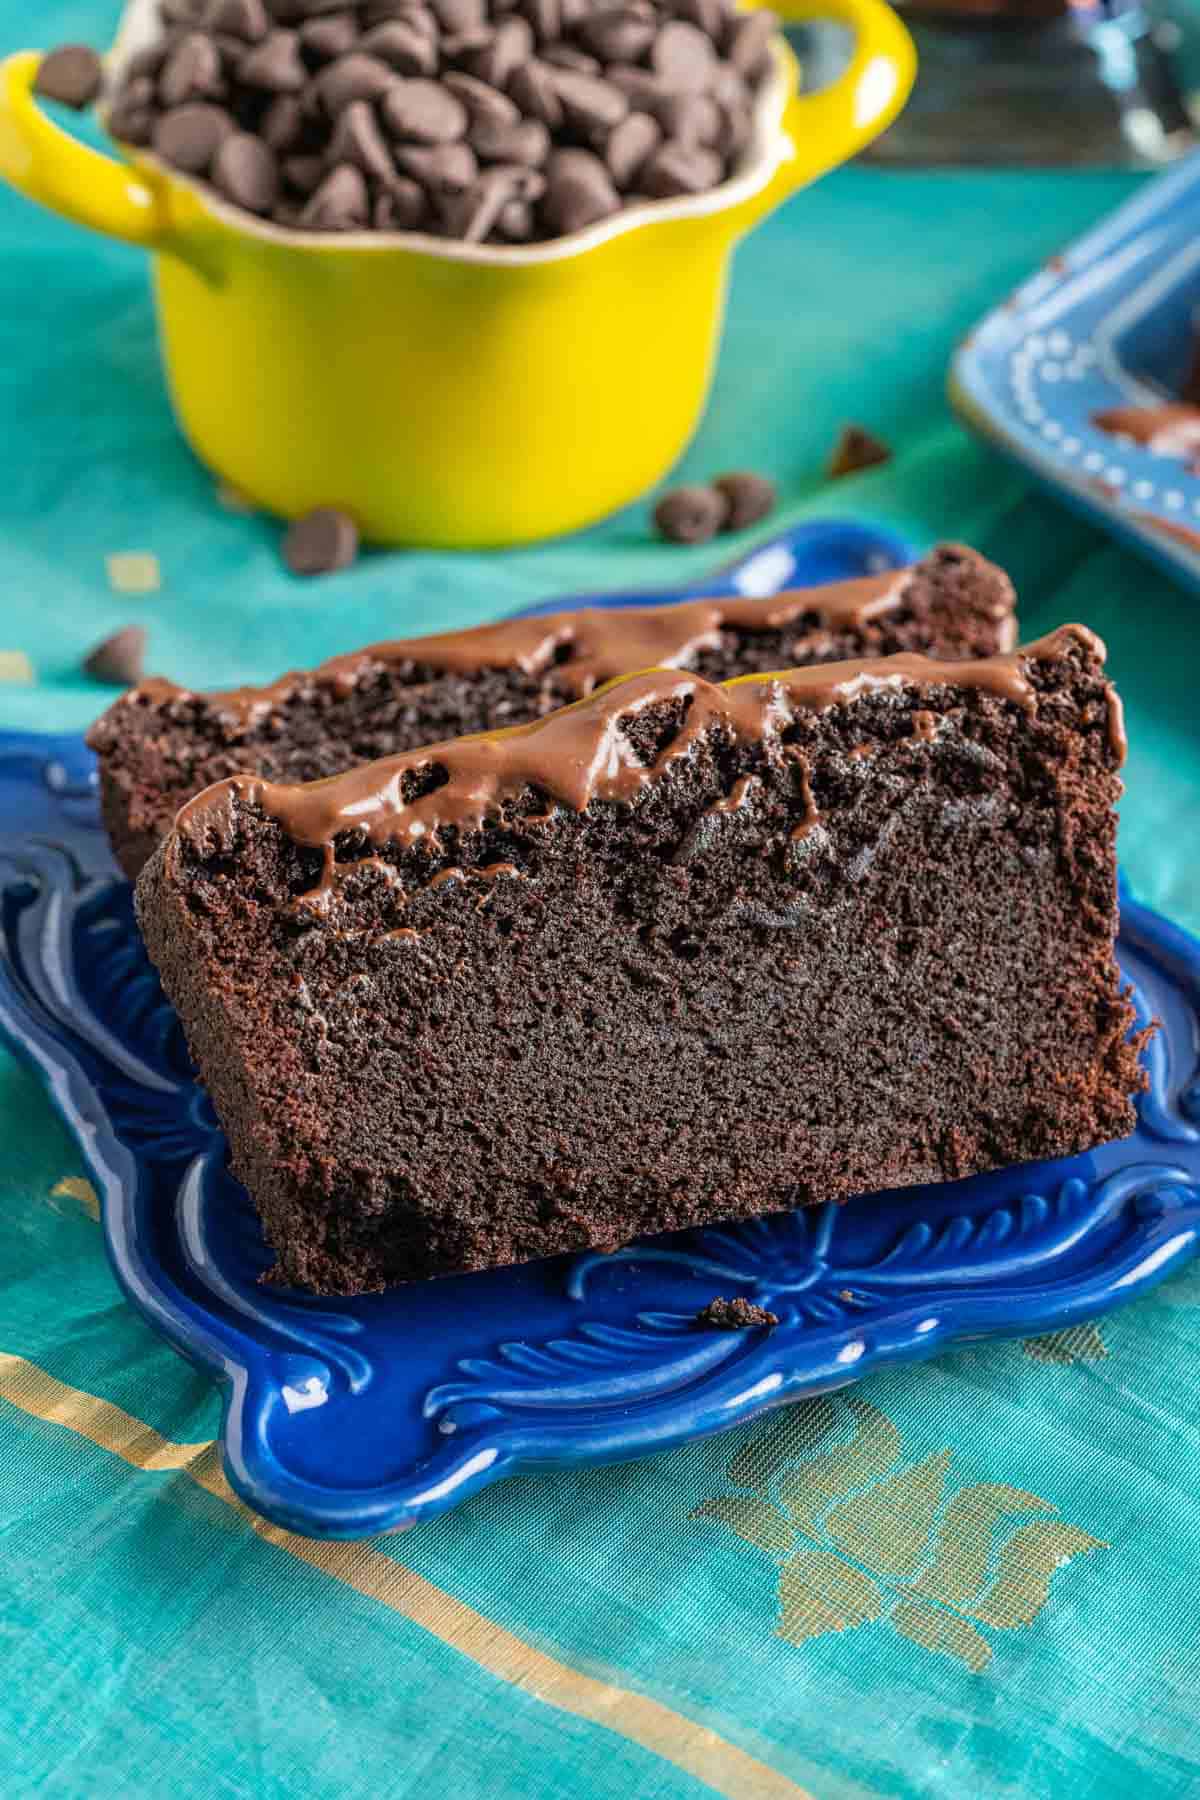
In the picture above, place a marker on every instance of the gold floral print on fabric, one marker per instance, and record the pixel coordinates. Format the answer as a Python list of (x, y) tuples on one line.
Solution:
[(1078, 1343), (862, 1537)]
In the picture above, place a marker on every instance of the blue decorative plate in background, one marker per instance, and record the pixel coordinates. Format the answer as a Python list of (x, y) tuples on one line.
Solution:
[(1108, 324), (345, 1418)]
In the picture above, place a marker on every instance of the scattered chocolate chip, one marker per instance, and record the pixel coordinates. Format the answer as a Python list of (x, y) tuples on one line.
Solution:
[(119, 660), (276, 65), (72, 75), (589, 102), (320, 542), (459, 15), (738, 1314), (341, 203), (473, 214), (515, 222), (188, 137), (709, 15), (643, 88), (690, 515), (680, 169), (353, 77), (442, 168), (628, 146), (748, 498), (131, 123), (191, 72), (246, 19), (579, 191), (565, 56), (857, 449), (683, 57), (424, 112), (485, 105), (545, 16), (693, 120), (357, 139), (244, 170), (404, 46)]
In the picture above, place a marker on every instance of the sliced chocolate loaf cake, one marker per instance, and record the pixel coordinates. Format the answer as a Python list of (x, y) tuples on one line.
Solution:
[(160, 744), (672, 954)]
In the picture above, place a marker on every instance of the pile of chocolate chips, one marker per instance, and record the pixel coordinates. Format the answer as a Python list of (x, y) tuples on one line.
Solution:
[(482, 120)]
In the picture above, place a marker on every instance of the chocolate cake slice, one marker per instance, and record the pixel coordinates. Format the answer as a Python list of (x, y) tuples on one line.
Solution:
[(672, 954), (160, 744)]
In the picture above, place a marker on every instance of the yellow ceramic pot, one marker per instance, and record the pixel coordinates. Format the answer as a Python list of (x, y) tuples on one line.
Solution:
[(443, 393)]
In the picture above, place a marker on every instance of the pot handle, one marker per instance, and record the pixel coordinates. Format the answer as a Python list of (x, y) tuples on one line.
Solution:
[(827, 128), (55, 169)]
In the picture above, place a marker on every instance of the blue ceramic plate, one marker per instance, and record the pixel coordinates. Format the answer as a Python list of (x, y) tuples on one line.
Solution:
[(344, 1418), (1110, 323)]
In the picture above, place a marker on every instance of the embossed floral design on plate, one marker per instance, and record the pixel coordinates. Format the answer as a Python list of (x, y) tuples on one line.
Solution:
[(351, 1417)]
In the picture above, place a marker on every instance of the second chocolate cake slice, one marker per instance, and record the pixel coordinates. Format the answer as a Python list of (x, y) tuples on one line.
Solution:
[(676, 953), (160, 744)]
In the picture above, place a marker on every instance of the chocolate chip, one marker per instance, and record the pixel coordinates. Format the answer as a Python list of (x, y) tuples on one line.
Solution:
[(510, 46), (527, 142), (737, 123), (120, 659), (282, 125), (443, 168), (590, 102), (747, 38), (618, 35), (532, 87), (400, 207), (680, 169), (148, 61), (748, 498), (191, 72), (459, 15), (466, 44), (246, 19), (320, 542), (683, 57), (857, 449), (516, 222), (545, 16), (691, 119), (189, 136), (565, 56), (72, 75), (304, 173), (485, 105), (709, 15), (353, 77), (357, 139), (402, 46), (628, 146), (472, 214), (334, 35), (690, 515), (341, 203), (244, 170), (131, 119), (424, 112), (579, 191), (644, 89), (275, 65)]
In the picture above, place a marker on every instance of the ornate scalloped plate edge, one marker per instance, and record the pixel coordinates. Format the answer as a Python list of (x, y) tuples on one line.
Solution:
[(345, 1419), (1106, 324)]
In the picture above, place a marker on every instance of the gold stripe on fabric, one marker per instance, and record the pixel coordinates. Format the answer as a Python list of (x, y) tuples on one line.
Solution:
[(689, 1746)]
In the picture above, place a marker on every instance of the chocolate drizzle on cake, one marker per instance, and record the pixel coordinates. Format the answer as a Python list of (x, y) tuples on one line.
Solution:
[(584, 752)]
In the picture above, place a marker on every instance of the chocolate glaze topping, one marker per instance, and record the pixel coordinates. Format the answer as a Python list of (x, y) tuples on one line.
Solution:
[(580, 753), (592, 645)]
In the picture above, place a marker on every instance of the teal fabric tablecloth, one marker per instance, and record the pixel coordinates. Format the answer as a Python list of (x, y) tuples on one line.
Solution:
[(620, 1632)]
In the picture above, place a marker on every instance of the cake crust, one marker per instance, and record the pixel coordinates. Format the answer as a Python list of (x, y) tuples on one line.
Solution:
[(161, 743)]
